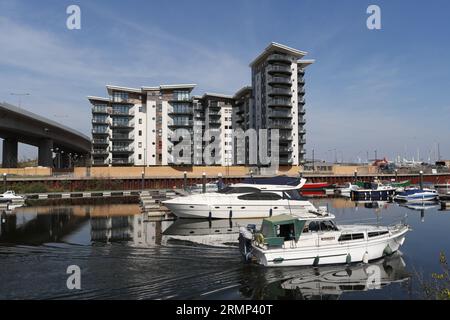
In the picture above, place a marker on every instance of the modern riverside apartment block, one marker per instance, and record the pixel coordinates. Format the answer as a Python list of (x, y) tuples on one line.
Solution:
[(149, 126)]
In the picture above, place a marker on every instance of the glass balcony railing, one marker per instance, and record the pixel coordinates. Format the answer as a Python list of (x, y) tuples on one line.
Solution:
[(122, 161), (278, 114), (279, 68), (122, 149), (279, 57), (100, 141), (122, 137), (280, 91), (279, 102), (279, 80), (100, 109)]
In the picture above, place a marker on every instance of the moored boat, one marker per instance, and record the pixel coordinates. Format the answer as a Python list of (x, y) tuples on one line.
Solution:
[(242, 200), (11, 196), (374, 191), (315, 239), (416, 195)]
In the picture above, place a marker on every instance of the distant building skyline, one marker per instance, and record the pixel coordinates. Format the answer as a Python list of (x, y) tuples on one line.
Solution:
[(384, 90)]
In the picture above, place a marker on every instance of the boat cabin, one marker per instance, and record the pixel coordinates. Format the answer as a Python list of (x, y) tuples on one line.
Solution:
[(276, 230)]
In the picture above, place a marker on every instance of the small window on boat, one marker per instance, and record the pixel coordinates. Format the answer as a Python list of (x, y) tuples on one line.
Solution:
[(217, 207), (191, 206), (345, 237), (377, 233), (357, 236), (260, 196)]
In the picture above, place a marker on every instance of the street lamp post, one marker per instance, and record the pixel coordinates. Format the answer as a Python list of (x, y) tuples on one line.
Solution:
[(185, 181), (356, 175), (142, 181), (421, 179), (4, 182), (396, 175), (219, 175), (204, 182)]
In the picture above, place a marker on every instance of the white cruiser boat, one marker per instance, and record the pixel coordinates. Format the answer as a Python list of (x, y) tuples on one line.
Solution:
[(314, 240), (417, 195), (345, 190), (10, 196), (242, 201)]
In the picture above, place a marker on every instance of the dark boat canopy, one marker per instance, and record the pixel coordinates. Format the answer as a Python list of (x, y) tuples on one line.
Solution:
[(278, 180)]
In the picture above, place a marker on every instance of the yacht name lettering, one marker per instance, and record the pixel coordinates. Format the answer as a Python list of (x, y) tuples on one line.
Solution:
[(327, 238), (186, 310)]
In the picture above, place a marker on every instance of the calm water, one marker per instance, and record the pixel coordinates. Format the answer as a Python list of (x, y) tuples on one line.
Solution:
[(124, 255)]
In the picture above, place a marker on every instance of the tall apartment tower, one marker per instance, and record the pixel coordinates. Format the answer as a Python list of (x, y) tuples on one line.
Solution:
[(278, 98)]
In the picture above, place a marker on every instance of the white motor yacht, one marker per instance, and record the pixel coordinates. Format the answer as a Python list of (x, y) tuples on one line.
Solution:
[(242, 201), (10, 196), (315, 239)]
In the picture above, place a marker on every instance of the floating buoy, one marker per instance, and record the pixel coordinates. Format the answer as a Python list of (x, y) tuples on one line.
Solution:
[(387, 251), (366, 257), (348, 260), (316, 261)]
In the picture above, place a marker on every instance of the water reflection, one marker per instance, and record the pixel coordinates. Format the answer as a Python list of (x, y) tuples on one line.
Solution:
[(207, 232), (329, 282)]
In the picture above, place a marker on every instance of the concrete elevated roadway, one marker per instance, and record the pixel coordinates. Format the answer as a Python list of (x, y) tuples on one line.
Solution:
[(51, 138)]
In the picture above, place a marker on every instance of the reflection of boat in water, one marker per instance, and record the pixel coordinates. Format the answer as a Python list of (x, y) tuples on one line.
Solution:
[(373, 204), (207, 232), (421, 205), (331, 282)]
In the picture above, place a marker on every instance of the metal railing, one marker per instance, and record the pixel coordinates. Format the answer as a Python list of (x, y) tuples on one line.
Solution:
[(278, 68), (284, 80)]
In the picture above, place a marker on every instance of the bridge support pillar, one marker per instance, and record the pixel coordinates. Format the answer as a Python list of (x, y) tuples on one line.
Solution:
[(45, 153), (9, 155)]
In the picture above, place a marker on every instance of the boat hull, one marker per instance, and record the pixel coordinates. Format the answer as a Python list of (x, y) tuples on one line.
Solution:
[(238, 211), (362, 251), (372, 194)]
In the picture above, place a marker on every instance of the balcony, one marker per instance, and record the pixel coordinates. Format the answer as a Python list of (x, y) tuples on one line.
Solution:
[(303, 151), (301, 72), (100, 121), (180, 111), (100, 152), (124, 137), (122, 125), (276, 57), (122, 161), (279, 102), (286, 69), (301, 92), (98, 162), (280, 115), (302, 141), (279, 80), (181, 124), (280, 92), (301, 101), (121, 100), (302, 132), (215, 121), (302, 122), (100, 109), (301, 80), (129, 113), (215, 105), (102, 131), (122, 149), (285, 138), (286, 125), (302, 111), (100, 141), (285, 150)]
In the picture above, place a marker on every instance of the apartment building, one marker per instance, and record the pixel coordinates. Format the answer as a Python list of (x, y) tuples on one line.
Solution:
[(142, 126), (278, 99)]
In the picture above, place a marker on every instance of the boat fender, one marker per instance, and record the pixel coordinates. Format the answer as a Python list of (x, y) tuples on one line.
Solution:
[(387, 251), (365, 257), (231, 214), (270, 212), (348, 259), (316, 261), (210, 215)]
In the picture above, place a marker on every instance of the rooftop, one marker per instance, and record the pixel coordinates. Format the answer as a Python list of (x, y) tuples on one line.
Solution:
[(277, 47)]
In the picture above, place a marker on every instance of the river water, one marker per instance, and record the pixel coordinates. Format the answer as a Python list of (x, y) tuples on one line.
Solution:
[(123, 254)]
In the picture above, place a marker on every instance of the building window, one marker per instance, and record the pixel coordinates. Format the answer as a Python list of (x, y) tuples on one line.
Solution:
[(140, 133), (140, 121), (140, 145), (120, 96), (141, 109), (140, 156)]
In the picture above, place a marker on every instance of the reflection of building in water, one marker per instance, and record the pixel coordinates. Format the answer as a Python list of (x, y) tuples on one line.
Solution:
[(112, 228), (148, 233), (37, 225), (330, 282)]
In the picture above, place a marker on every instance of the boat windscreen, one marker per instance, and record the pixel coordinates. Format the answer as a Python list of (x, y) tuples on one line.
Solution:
[(292, 195)]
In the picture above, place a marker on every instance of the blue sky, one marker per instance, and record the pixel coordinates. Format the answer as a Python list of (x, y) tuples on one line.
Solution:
[(386, 90)]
